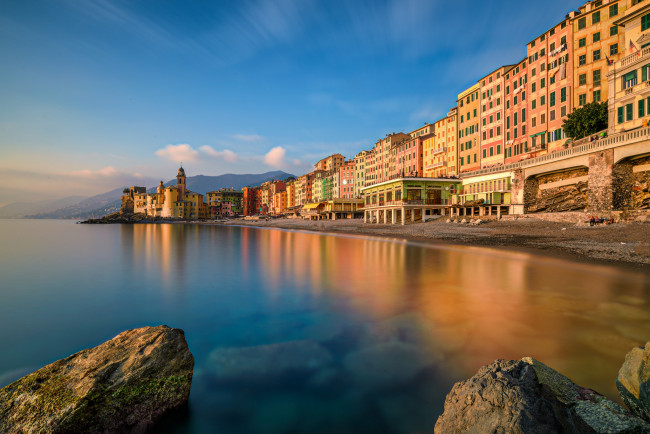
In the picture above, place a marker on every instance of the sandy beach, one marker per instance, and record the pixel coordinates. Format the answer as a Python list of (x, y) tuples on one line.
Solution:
[(621, 244)]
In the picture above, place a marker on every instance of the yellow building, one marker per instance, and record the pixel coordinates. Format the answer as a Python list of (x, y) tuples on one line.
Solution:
[(442, 157), (629, 79), (596, 38), (173, 201), (469, 137)]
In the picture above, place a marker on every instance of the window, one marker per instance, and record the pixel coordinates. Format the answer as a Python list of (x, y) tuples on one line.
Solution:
[(552, 47), (542, 118), (645, 22), (551, 115), (551, 99), (533, 122), (498, 131), (596, 55), (542, 52), (613, 10), (515, 101), (533, 87), (641, 108), (582, 59), (596, 36), (523, 96), (582, 42), (551, 80), (582, 23), (620, 115), (613, 30), (542, 83), (563, 94), (507, 90), (498, 149), (595, 17), (645, 72), (498, 88), (508, 104), (533, 104), (542, 100), (523, 115), (596, 77), (508, 122), (582, 99), (533, 72), (613, 49), (491, 151), (484, 153), (563, 40), (629, 79), (514, 119), (629, 112), (563, 111), (582, 79)]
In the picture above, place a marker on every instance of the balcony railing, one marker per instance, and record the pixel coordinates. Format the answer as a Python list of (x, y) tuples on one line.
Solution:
[(580, 147), (439, 150), (628, 60), (403, 202)]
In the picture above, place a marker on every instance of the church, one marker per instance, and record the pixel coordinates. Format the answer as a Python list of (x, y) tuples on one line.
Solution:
[(173, 201)]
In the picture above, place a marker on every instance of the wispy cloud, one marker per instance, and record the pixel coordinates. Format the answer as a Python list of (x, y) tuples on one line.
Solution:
[(226, 154), (107, 171), (178, 153), (248, 137)]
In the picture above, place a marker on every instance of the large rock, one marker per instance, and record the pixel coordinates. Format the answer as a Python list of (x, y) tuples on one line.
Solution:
[(527, 396), (122, 385), (633, 381)]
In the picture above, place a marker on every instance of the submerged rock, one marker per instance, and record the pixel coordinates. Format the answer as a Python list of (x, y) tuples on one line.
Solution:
[(633, 381), (527, 396), (122, 385), (267, 362)]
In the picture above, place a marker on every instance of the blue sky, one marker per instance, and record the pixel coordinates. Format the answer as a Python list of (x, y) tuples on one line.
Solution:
[(101, 94)]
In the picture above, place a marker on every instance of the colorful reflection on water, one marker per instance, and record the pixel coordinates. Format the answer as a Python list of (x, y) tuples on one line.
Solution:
[(301, 332)]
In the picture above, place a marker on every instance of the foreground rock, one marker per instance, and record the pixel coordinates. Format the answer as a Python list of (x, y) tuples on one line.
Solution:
[(527, 396), (122, 385), (633, 381)]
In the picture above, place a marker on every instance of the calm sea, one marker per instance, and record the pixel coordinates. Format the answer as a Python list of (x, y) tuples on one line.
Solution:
[(296, 332)]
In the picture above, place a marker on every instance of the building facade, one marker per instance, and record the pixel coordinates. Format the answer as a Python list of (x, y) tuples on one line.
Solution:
[(469, 134)]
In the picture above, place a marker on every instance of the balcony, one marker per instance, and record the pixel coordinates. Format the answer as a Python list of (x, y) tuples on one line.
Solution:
[(628, 60), (439, 151), (435, 165)]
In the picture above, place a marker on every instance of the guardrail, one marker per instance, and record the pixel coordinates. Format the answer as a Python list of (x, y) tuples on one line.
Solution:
[(581, 147)]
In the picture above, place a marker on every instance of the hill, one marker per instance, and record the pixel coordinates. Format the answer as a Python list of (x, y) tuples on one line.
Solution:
[(109, 202)]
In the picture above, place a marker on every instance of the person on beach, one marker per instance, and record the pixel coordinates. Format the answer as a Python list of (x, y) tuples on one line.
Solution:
[(592, 221)]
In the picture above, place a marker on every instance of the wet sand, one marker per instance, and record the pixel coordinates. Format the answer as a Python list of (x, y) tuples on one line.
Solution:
[(621, 244)]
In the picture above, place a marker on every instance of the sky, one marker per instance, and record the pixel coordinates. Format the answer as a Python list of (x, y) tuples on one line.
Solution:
[(99, 94)]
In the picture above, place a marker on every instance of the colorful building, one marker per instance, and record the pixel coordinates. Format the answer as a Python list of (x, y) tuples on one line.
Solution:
[(443, 156), (331, 163), (234, 198), (516, 113), (469, 135), (629, 78), (597, 44), (492, 117), (378, 163), (347, 177), (408, 199)]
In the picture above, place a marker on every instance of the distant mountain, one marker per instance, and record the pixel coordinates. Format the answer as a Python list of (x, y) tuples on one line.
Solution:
[(18, 210), (109, 202)]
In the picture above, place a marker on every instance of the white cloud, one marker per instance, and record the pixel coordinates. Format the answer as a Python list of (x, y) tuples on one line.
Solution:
[(107, 171), (178, 153), (248, 137), (275, 157), (226, 154)]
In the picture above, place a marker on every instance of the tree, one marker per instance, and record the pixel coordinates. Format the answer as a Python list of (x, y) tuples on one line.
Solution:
[(588, 119)]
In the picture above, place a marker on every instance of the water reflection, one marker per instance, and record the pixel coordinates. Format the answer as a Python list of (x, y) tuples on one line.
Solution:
[(362, 335)]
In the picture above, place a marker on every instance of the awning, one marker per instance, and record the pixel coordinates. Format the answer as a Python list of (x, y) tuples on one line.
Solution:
[(311, 205), (543, 132)]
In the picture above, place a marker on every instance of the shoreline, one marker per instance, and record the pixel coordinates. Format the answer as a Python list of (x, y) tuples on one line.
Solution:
[(623, 244)]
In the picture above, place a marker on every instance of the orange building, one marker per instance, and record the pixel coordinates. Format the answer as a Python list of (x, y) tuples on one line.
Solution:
[(492, 116)]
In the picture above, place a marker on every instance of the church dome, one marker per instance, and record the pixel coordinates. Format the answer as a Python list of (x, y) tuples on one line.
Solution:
[(181, 171)]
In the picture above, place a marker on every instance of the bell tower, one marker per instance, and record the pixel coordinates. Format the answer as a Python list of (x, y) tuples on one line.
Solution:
[(180, 183)]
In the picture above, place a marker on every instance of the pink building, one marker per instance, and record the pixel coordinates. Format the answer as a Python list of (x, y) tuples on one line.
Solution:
[(406, 158), (492, 89), (347, 176), (550, 88), (516, 112)]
